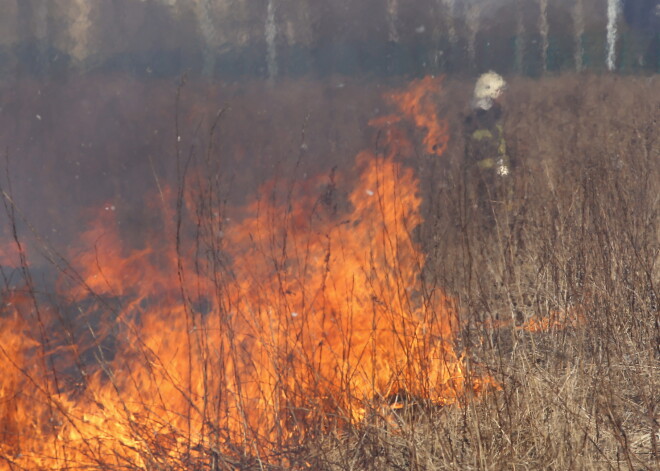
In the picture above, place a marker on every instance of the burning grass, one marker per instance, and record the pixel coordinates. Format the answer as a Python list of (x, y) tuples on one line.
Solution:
[(338, 322)]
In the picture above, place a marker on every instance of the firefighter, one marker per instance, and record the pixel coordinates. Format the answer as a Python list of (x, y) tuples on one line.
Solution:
[(486, 163)]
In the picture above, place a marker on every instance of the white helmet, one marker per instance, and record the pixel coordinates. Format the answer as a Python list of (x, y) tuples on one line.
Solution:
[(489, 86)]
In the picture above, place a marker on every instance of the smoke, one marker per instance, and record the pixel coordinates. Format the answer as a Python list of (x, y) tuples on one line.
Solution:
[(473, 21), (279, 38), (41, 16), (450, 5), (79, 30)]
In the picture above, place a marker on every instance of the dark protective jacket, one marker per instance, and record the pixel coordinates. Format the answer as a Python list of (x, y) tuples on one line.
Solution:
[(486, 164), (485, 146)]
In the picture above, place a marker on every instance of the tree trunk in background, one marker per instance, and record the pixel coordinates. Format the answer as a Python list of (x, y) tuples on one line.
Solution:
[(260, 38)]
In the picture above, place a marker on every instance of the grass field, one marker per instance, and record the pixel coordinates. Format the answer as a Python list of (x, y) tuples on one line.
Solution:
[(368, 317)]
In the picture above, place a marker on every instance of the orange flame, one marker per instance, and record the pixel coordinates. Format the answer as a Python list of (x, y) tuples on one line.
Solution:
[(555, 320), (419, 102), (235, 335)]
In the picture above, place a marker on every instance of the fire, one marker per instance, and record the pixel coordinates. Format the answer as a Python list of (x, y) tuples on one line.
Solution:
[(419, 103), (555, 320), (234, 335)]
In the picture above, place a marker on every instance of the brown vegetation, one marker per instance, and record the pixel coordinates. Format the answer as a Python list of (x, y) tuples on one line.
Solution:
[(556, 300)]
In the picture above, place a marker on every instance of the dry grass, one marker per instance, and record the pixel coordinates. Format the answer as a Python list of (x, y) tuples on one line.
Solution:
[(579, 235)]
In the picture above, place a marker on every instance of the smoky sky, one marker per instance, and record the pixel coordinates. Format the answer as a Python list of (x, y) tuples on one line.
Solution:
[(267, 38)]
